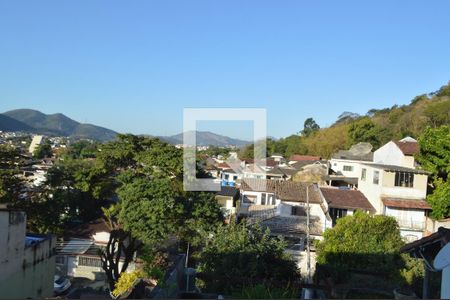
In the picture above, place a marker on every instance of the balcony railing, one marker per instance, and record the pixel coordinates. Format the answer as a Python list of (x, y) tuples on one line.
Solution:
[(411, 224)]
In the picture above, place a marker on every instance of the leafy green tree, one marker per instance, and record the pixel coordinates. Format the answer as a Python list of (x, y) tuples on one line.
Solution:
[(201, 216), (362, 242), (82, 149), (435, 151), (10, 182), (237, 255), (438, 113), (365, 130), (43, 150), (149, 208), (309, 127), (434, 157)]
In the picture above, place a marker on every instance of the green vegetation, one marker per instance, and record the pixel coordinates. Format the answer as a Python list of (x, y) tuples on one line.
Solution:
[(42, 151), (435, 158), (126, 281), (10, 184), (361, 242), (238, 256)]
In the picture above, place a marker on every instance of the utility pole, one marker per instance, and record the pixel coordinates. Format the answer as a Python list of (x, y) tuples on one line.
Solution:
[(308, 250)]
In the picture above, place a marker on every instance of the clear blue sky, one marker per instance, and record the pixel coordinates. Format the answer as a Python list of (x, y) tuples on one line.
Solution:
[(133, 66)]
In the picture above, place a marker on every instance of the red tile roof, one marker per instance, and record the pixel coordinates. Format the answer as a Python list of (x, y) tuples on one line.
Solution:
[(346, 199), (284, 190), (223, 166), (408, 148), (406, 203), (304, 157)]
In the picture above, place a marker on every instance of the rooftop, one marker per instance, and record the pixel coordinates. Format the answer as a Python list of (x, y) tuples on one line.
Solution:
[(339, 198), (284, 190), (406, 203), (392, 168)]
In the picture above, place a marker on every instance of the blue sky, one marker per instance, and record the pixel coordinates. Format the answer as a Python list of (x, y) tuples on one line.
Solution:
[(133, 66)]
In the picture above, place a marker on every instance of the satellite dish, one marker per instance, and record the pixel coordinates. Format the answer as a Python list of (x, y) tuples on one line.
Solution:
[(442, 259)]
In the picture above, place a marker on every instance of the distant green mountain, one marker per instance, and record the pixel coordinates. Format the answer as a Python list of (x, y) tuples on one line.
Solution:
[(10, 124), (56, 124), (206, 138)]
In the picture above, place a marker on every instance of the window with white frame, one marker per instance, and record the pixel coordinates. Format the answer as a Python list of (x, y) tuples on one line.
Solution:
[(404, 179), (363, 174), (348, 168), (376, 177)]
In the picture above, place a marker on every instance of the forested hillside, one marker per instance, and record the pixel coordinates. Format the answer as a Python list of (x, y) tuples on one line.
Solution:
[(377, 126)]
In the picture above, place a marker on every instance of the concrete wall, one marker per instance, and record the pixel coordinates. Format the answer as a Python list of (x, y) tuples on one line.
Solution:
[(418, 191), (390, 154), (370, 190), (25, 272), (337, 165)]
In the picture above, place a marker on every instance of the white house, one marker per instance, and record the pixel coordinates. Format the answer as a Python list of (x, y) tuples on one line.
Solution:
[(399, 192), (282, 206), (78, 256), (398, 153), (344, 202), (347, 163)]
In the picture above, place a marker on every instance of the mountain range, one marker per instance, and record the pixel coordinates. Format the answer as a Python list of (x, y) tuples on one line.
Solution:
[(29, 120), (33, 121), (206, 138)]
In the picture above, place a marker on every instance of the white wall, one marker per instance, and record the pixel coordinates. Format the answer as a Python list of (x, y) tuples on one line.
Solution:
[(370, 190), (25, 272), (390, 154), (258, 197), (408, 218), (337, 165)]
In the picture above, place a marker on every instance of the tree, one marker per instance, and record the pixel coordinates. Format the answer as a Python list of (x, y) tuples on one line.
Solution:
[(361, 242), (200, 217), (149, 208), (237, 255), (10, 183), (434, 157), (43, 150), (310, 126), (365, 130), (121, 244)]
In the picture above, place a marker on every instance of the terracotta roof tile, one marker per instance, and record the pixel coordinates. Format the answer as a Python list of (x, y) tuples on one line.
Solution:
[(296, 157), (346, 199), (284, 190), (406, 203), (408, 148)]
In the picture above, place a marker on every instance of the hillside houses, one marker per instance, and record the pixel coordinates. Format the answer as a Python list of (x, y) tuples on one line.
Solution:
[(386, 181)]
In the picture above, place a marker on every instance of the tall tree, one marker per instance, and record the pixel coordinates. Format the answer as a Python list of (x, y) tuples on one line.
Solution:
[(363, 242), (434, 157), (309, 126)]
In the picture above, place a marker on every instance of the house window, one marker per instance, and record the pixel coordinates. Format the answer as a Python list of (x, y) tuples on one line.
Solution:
[(336, 213), (263, 199), (363, 174), (404, 179), (234, 178), (89, 262), (227, 176), (348, 168), (376, 177), (271, 199), (298, 211)]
